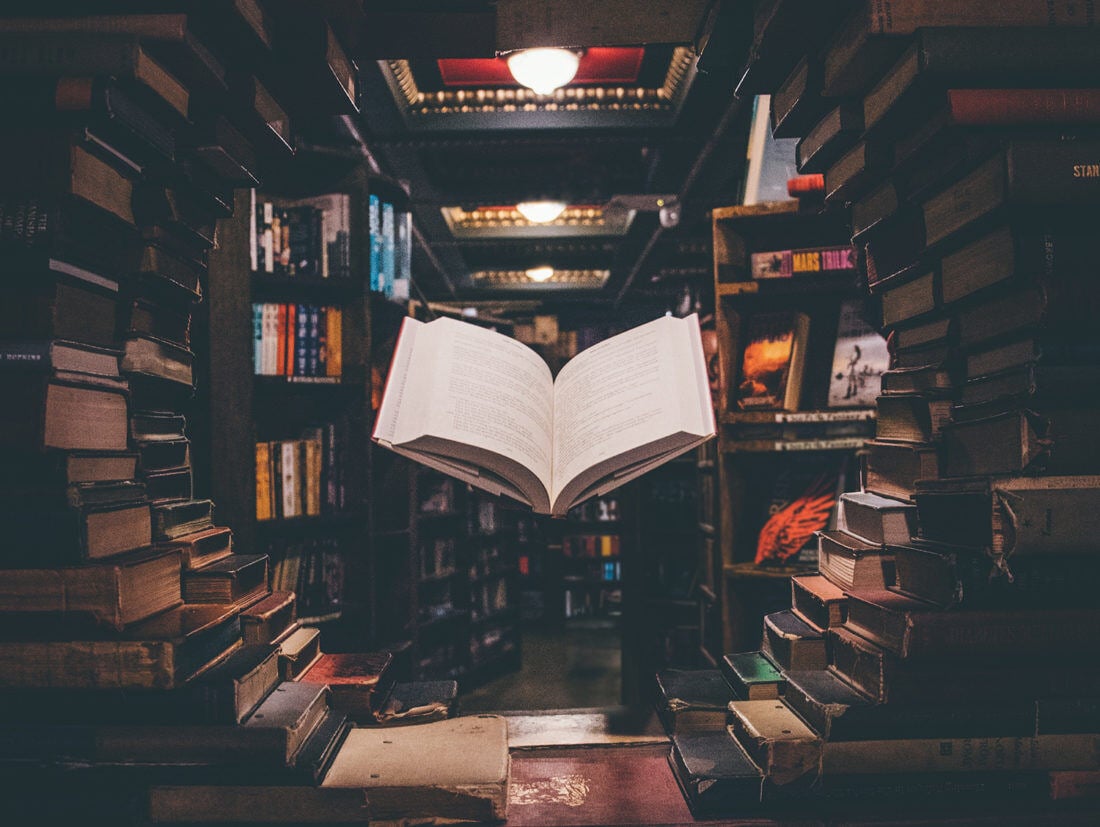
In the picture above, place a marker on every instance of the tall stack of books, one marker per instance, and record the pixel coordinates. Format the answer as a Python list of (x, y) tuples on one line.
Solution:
[(946, 651), (123, 602)]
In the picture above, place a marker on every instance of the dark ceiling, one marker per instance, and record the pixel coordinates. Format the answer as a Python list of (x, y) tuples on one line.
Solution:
[(464, 139)]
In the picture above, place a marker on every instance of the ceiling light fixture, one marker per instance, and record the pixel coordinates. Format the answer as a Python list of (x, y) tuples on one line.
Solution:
[(540, 274), (543, 70), (541, 212)]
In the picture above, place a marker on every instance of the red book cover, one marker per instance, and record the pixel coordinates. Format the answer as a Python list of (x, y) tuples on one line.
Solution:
[(1006, 107), (288, 342), (280, 349)]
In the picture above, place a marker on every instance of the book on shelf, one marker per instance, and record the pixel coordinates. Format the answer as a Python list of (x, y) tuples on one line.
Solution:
[(163, 652), (773, 352), (306, 238), (116, 593), (805, 261), (491, 425), (860, 357)]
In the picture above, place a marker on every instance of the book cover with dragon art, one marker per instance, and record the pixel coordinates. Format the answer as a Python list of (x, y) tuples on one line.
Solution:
[(801, 500)]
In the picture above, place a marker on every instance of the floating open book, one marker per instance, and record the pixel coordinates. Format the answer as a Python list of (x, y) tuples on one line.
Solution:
[(484, 408)]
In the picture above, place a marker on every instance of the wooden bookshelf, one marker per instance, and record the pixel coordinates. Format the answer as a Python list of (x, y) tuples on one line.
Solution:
[(766, 458)]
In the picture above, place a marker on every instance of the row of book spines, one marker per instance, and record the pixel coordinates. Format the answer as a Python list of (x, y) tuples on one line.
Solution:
[(296, 478), (591, 545), (297, 340), (301, 241), (390, 248), (314, 571)]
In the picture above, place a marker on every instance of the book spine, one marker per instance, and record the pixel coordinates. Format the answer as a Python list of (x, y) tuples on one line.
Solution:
[(1008, 107), (257, 338), (280, 340), (335, 341), (321, 368), (268, 237), (301, 340), (263, 481), (22, 355), (289, 453), (289, 343), (313, 357), (374, 214), (386, 278)]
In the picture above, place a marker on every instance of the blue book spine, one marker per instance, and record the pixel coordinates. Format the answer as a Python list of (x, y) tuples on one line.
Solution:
[(257, 338), (388, 244), (374, 216), (301, 340), (314, 340)]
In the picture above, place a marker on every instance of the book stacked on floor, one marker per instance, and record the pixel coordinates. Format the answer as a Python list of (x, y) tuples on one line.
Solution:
[(123, 646), (946, 650)]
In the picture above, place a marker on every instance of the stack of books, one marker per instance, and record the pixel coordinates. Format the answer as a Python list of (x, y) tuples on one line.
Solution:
[(136, 636), (945, 652)]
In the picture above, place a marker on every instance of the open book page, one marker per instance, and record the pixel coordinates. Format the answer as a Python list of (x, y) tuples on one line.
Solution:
[(625, 404), (467, 391)]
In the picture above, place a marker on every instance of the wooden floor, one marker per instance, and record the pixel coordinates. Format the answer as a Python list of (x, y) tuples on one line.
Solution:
[(578, 667)]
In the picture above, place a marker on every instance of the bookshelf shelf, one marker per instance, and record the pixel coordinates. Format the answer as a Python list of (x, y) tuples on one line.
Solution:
[(801, 436)]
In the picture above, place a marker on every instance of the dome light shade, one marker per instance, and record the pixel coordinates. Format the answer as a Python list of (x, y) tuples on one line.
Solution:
[(540, 273), (543, 70), (541, 212)]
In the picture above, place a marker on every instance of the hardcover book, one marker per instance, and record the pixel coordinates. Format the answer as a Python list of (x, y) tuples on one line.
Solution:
[(238, 579), (266, 620), (772, 357), (299, 651), (876, 520), (161, 653), (792, 643), (416, 702), (115, 593), (359, 682), (816, 600), (752, 676), (715, 774), (838, 712), (692, 700), (465, 776), (851, 563), (504, 424)]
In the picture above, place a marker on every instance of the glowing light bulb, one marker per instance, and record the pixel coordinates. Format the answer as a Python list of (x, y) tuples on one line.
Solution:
[(541, 212), (540, 274), (543, 70)]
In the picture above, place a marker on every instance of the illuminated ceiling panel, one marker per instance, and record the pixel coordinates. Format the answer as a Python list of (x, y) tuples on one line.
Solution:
[(506, 222)]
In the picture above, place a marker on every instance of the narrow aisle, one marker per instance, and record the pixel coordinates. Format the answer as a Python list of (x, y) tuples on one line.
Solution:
[(576, 667)]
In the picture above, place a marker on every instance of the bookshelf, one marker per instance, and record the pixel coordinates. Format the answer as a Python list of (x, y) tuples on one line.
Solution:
[(770, 455), (291, 385)]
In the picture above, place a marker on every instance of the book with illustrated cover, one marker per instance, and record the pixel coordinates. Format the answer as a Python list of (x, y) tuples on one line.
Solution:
[(860, 357), (485, 408), (774, 350)]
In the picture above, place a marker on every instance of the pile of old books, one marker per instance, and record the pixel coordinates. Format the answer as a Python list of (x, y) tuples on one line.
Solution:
[(945, 654), (140, 650)]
